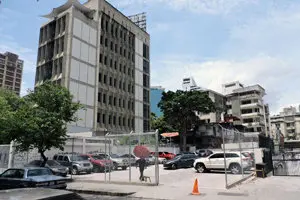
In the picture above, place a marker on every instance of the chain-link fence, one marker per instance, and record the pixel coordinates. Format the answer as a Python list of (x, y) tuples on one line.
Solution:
[(108, 159), (131, 161), (237, 156)]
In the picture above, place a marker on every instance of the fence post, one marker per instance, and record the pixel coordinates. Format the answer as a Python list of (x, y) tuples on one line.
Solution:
[(223, 137), (129, 140), (11, 155), (156, 159)]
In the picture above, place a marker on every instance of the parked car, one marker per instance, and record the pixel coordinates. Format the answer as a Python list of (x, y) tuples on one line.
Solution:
[(54, 166), (119, 162), (150, 160), (75, 162), (180, 161), (250, 155), (161, 160), (99, 162), (235, 161), (203, 152), (31, 177), (131, 158), (165, 155)]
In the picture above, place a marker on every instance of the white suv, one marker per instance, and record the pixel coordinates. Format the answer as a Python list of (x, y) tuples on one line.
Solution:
[(234, 162)]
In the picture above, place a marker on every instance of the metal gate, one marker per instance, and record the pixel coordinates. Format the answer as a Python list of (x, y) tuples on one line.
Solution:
[(286, 163)]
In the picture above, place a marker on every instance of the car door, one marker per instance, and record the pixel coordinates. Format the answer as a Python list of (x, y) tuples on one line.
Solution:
[(216, 161)]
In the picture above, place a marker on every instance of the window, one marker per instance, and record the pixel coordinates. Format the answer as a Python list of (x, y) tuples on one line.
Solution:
[(124, 121), (99, 97), (114, 120), (124, 69), (101, 39), (115, 82), (101, 58), (103, 119), (231, 155), (110, 81), (111, 46), (111, 63), (116, 48), (145, 51), (115, 101), (128, 122), (109, 119), (66, 159), (104, 98), (105, 60), (120, 85), (124, 53), (98, 117), (110, 100), (123, 103), (106, 25), (104, 78), (60, 158), (115, 65), (217, 155), (121, 50), (120, 67), (100, 77), (13, 173), (120, 102), (106, 42), (120, 122), (128, 106)]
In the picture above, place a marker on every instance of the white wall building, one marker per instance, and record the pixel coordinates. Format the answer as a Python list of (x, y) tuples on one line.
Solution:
[(102, 57)]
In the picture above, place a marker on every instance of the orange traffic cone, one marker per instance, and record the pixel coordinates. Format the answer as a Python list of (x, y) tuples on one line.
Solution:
[(195, 189)]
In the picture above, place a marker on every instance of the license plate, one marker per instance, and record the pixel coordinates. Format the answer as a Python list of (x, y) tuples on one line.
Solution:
[(51, 183)]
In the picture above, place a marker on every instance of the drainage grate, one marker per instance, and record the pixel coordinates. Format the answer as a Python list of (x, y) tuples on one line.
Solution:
[(233, 194)]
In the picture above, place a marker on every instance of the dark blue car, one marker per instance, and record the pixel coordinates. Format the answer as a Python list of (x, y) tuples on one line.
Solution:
[(31, 177)]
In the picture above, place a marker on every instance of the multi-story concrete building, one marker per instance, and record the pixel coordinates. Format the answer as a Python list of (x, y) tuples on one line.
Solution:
[(288, 122), (11, 69), (102, 57), (189, 84), (247, 104), (155, 97)]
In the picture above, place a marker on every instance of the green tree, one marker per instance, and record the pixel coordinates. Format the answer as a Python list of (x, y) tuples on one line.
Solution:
[(181, 109), (160, 124), (41, 120)]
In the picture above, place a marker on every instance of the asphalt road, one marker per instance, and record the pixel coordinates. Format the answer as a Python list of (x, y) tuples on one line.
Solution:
[(98, 197)]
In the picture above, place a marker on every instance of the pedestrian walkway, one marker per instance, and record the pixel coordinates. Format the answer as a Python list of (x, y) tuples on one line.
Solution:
[(253, 189)]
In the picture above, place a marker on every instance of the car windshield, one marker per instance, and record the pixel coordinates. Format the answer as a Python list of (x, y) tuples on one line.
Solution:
[(114, 156), (13, 173), (78, 158), (38, 172), (52, 163), (177, 157)]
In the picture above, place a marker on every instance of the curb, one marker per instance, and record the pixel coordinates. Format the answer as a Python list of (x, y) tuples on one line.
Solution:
[(105, 193)]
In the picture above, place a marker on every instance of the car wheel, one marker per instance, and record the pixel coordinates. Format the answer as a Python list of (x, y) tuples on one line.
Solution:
[(200, 167), (75, 171), (124, 168), (89, 172), (174, 166), (115, 166), (235, 168)]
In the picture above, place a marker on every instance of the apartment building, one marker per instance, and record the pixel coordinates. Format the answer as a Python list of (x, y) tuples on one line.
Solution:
[(103, 58), (246, 103), (288, 122), (11, 69)]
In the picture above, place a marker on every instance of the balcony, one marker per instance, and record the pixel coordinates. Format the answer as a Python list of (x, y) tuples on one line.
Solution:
[(290, 128), (254, 114), (253, 124), (251, 105)]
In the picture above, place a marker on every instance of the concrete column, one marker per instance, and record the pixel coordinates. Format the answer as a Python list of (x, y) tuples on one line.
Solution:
[(83, 146), (11, 155)]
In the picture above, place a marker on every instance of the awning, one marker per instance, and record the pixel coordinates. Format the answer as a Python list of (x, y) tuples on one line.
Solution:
[(174, 134)]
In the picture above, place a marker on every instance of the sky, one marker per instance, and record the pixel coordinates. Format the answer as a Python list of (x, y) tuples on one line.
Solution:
[(215, 41)]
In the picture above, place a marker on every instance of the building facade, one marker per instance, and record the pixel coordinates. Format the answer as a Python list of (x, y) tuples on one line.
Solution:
[(288, 122), (155, 97), (247, 104), (103, 58), (11, 70)]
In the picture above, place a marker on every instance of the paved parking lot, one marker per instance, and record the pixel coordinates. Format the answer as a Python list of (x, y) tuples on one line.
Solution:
[(214, 180)]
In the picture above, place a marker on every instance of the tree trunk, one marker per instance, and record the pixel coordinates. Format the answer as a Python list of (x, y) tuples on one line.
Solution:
[(184, 135), (44, 159)]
